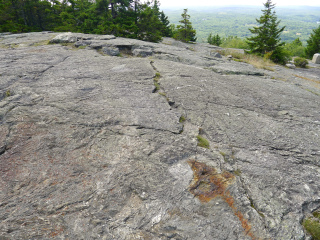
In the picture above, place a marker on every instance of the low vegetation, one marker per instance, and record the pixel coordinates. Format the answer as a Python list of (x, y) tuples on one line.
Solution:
[(202, 142), (300, 62), (130, 18), (312, 225), (257, 61), (182, 119)]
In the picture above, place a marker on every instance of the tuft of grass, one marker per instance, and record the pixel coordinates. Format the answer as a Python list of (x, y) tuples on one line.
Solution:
[(156, 79), (224, 155), (41, 43), (258, 62), (182, 119), (237, 172), (202, 142), (312, 225), (157, 76), (7, 94), (316, 214), (157, 86)]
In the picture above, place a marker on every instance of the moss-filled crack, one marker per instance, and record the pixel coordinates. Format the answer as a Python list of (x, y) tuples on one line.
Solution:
[(202, 142), (161, 92)]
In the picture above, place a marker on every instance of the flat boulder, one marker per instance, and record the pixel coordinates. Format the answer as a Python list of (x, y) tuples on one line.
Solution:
[(64, 38)]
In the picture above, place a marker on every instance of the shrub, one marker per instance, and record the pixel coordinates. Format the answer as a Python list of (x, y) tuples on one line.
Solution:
[(234, 42), (300, 62)]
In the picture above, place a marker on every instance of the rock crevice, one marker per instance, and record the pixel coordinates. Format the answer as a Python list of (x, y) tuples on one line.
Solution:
[(100, 139)]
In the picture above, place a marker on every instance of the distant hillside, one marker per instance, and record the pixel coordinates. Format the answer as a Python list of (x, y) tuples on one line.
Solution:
[(236, 20)]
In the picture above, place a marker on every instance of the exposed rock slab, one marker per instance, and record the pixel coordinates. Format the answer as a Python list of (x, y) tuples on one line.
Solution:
[(89, 149)]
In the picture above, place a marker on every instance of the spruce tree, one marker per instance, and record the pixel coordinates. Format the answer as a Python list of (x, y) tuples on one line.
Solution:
[(313, 43), (266, 39), (185, 32), (214, 40)]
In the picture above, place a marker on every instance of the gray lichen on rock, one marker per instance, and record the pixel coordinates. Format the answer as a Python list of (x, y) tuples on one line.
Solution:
[(88, 151)]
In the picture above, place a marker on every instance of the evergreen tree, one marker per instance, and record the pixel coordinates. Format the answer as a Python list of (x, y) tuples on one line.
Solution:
[(125, 18), (185, 32), (166, 28), (266, 39), (214, 40), (149, 24), (313, 43)]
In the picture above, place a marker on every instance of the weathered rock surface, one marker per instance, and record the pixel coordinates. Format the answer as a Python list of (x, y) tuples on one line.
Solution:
[(90, 148), (316, 58)]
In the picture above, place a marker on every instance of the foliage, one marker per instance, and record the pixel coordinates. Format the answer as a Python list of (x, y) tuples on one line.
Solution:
[(234, 42), (313, 44), (185, 31), (312, 225), (126, 18), (236, 20), (295, 48), (301, 62), (214, 40), (257, 61), (267, 35), (7, 94), (202, 142), (166, 27), (182, 119)]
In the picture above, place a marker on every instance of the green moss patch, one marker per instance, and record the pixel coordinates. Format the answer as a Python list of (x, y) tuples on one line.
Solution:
[(312, 225), (202, 142)]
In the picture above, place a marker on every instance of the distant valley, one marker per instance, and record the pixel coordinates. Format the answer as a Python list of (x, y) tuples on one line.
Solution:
[(236, 20)]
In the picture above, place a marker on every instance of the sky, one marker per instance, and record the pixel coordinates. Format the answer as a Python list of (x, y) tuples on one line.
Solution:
[(187, 3)]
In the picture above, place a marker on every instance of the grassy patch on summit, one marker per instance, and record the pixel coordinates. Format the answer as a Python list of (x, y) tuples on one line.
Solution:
[(202, 142), (258, 62)]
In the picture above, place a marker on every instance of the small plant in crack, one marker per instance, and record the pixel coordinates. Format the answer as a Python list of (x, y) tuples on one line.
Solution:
[(224, 155), (202, 142), (158, 75), (8, 93), (182, 119), (156, 82), (237, 172), (157, 87)]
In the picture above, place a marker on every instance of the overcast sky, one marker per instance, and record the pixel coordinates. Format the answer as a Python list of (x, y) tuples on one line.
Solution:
[(187, 3)]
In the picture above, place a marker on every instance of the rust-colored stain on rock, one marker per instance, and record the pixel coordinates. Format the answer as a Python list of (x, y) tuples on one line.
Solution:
[(208, 183)]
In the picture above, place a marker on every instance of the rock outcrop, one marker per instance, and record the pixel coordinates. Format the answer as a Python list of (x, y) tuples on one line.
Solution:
[(112, 138), (316, 58)]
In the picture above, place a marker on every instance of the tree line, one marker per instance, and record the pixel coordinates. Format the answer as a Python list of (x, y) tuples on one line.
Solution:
[(122, 18), (125, 18)]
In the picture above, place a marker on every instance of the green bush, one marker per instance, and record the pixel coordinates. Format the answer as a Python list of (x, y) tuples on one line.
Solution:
[(295, 48), (234, 42), (300, 62)]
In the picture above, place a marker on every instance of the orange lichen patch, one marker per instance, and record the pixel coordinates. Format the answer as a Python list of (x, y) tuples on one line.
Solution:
[(56, 231), (208, 184)]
